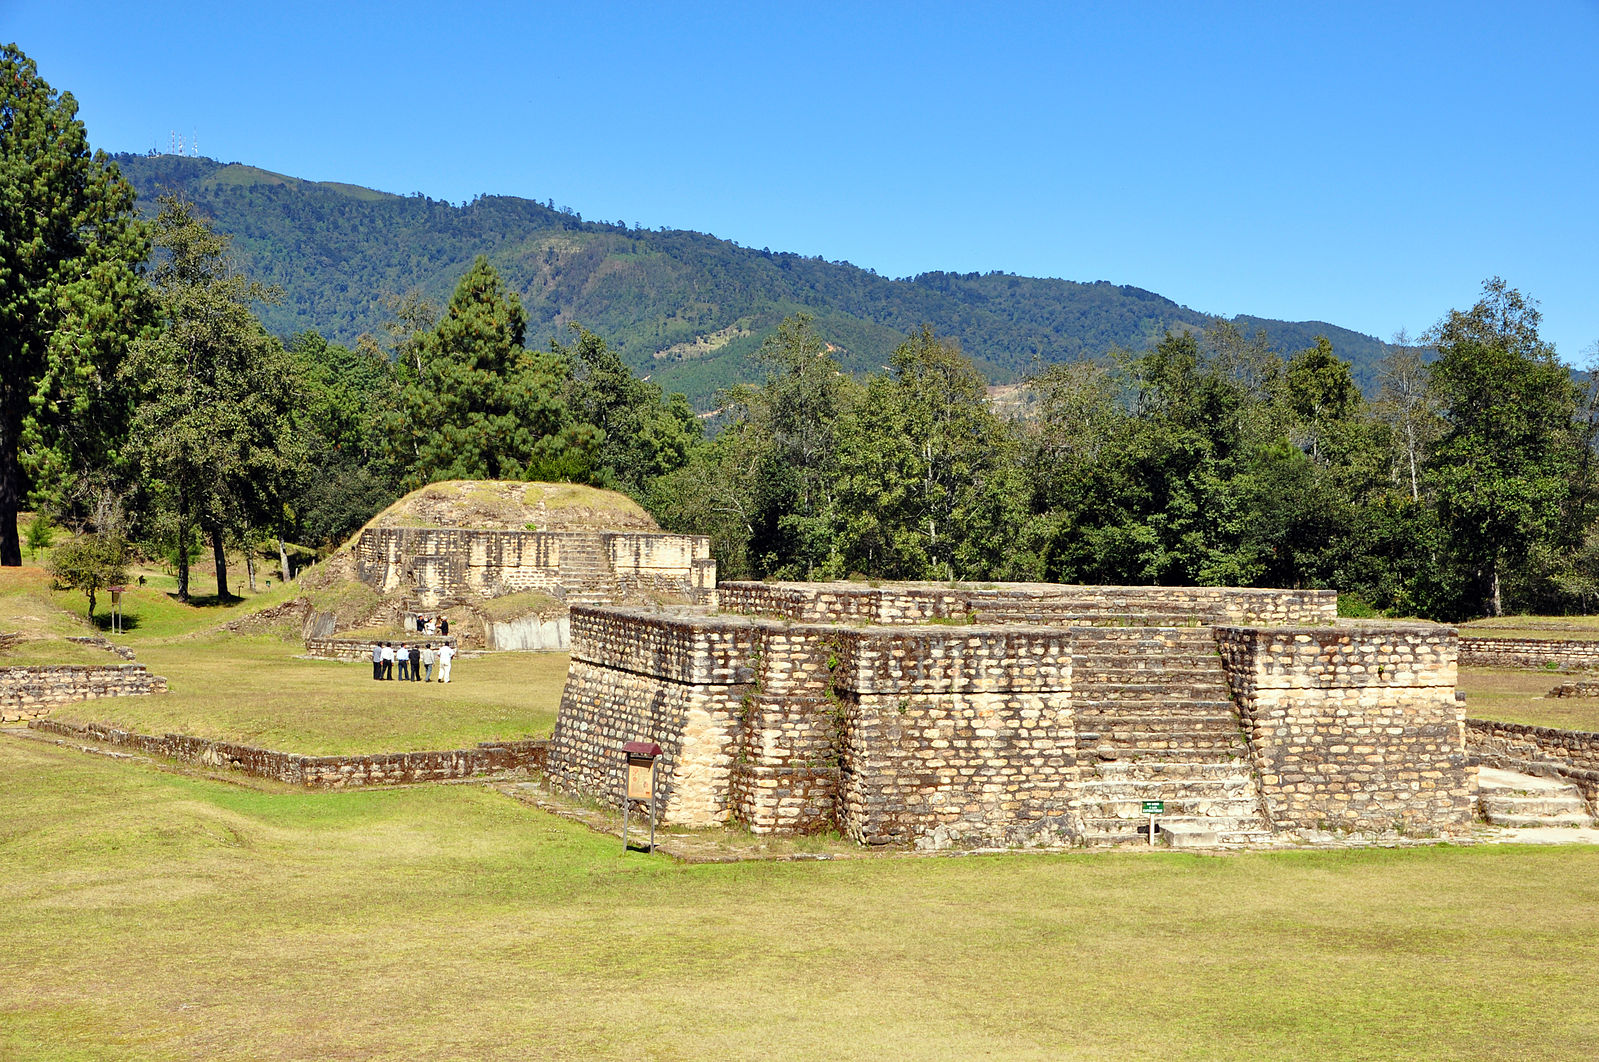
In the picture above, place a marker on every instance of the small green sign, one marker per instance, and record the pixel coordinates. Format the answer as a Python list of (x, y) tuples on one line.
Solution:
[(1154, 807)]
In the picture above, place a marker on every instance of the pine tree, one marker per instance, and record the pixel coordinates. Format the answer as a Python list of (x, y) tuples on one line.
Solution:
[(71, 299)]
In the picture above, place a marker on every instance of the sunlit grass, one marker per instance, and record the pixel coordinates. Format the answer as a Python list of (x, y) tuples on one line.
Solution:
[(1512, 696), (254, 690), (153, 916)]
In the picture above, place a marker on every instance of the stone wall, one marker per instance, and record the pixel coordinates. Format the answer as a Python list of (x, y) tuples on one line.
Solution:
[(8, 639), (360, 649), (30, 692), (1528, 652), (316, 772), (949, 732), (438, 566), (639, 676), (958, 736), (1570, 754), (1031, 603), (1353, 727)]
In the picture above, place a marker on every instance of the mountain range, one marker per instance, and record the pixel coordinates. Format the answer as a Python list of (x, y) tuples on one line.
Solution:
[(683, 307)]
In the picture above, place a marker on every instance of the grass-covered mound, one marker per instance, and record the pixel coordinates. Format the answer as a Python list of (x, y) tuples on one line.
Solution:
[(508, 505), (157, 916)]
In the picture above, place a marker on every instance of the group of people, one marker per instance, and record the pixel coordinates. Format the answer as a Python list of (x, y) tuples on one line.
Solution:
[(416, 661), (433, 624)]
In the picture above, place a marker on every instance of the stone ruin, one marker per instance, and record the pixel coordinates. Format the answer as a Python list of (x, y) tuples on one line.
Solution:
[(1020, 714), (437, 568)]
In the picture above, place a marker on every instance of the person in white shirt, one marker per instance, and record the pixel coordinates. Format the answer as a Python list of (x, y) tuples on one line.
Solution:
[(446, 655), (388, 660), (428, 660), (377, 660)]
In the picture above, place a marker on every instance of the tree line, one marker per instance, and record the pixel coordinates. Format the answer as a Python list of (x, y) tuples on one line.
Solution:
[(143, 401)]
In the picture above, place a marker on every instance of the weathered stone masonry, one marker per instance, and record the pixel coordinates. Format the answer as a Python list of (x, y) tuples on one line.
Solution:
[(30, 692), (936, 715), (1528, 652), (441, 566), (1353, 727)]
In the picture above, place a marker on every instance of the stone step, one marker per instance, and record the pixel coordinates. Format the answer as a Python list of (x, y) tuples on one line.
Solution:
[(1532, 806), (1099, 756), (1166, 771), (1513, 799), (1153, 717), (1204, 810), (1163, 737), (1222, 788), (1118, 831), (1089, 693)]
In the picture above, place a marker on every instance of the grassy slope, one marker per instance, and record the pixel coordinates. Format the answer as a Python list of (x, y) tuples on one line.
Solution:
[(151, 916)]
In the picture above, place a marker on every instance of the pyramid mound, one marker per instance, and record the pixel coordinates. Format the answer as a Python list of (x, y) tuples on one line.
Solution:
[(510, 505)]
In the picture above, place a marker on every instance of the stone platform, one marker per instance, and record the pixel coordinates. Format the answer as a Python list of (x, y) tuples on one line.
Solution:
[(1019, 715)]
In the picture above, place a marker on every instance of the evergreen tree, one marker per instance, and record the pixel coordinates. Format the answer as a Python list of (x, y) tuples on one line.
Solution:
[(478, 405), (71, 299)]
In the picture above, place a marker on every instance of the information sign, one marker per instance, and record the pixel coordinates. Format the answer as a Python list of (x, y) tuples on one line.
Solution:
[(1154, 807)]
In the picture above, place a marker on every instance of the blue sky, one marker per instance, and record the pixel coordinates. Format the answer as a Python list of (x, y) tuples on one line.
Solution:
[(1368, 165)]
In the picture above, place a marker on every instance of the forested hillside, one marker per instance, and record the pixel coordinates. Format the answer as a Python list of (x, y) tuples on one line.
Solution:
[(685, 307)]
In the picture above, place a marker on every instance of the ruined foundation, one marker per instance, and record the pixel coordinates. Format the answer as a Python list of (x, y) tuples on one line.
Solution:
[(1020, 714)]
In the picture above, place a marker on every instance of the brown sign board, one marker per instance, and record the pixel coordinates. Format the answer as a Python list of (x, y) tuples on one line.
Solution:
[(640, 779)]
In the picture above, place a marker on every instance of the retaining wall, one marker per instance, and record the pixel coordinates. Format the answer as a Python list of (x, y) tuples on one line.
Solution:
[(315, 772), (30, 692), (1529, 653), (1355, 727)]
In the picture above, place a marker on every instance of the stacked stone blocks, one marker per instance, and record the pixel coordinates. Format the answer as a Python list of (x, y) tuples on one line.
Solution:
[(901, 715), (1354, 728)]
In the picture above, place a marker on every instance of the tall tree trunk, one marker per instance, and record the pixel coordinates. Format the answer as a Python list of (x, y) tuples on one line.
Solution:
[(1495, 606), (183, 560), (10, 495), (221, 556), (283, 559), (249, 567)]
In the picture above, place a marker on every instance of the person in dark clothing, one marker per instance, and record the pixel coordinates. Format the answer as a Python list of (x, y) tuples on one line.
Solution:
[(416, 663), (377, 660), (444, 625)]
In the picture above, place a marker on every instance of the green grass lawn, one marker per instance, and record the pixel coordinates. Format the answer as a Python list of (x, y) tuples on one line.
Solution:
[(253, 689), (1560, 628), (157, 916), (1514, 696)]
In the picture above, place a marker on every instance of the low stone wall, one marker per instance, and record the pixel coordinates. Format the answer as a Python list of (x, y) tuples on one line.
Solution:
[(1570, 754), (315, 772), (8, 639), (1354, 727), (1529, 653), (30, 692), (360, 649), (95, 641), (1031, 603)]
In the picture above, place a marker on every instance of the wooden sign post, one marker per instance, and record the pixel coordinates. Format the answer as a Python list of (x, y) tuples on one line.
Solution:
[(640, 782)]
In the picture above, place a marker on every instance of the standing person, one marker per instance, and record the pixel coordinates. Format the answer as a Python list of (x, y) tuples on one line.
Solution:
[(444, 625), (388, 661), (416, 663), (403, 657), (446, 655), (427, 661), (377, 660)]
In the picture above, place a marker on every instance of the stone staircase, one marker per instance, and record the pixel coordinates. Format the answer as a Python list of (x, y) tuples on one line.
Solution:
[(1508, 798), (586, 574), (1155, 721)]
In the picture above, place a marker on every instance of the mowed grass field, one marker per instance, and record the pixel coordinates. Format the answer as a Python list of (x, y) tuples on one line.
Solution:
[(151, 915)]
